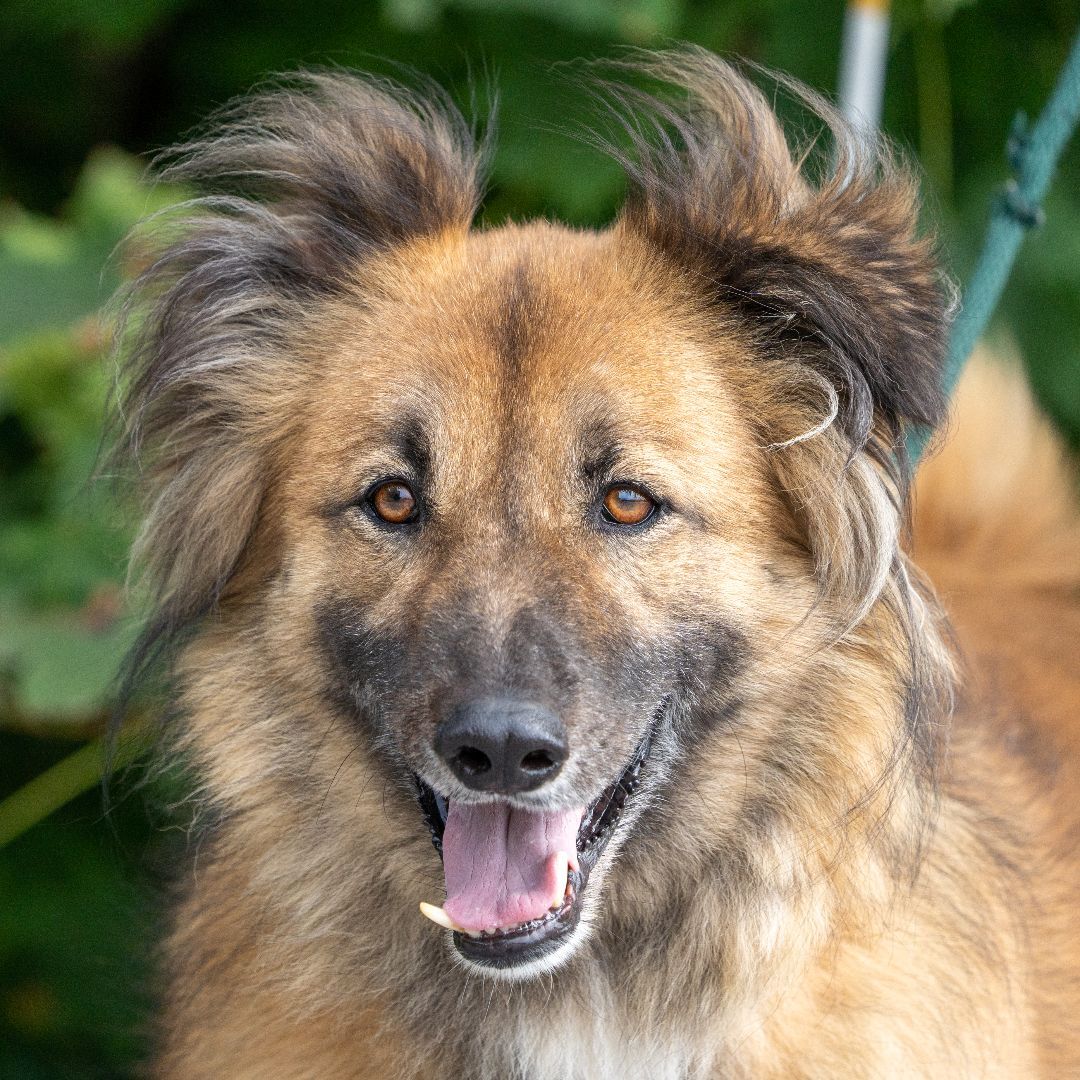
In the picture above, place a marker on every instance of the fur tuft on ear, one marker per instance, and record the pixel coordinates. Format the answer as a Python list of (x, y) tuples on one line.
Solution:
[(296, 187), (820, 253), (818, 259)]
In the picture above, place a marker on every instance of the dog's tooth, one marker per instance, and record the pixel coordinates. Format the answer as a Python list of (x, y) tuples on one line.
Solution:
[(438, 916)]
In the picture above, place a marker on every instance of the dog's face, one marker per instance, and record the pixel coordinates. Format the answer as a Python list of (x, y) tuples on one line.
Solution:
[(518, 526), (522, 515)]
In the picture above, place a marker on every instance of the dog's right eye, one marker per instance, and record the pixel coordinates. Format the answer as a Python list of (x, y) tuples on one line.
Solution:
[(394, 502)]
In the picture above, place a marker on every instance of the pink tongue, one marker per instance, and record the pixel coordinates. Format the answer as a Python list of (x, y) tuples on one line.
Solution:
[(500, 863)]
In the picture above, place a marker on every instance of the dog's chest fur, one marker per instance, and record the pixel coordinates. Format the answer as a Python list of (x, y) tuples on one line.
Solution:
[(583, 1044)]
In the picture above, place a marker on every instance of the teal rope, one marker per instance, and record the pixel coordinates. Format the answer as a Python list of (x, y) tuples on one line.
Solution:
[(1033, 154)]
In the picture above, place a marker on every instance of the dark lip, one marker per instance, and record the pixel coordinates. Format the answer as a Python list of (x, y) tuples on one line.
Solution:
[(533, 940)]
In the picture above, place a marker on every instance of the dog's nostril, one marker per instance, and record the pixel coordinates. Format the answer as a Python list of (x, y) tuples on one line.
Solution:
[(538, 761), (474, 762)]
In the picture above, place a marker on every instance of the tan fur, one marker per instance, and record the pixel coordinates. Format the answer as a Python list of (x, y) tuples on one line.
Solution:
[(816, 881), (998, 531)]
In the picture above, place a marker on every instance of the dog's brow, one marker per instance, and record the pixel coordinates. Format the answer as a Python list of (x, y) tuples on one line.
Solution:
[(599, 449), (410, 442)]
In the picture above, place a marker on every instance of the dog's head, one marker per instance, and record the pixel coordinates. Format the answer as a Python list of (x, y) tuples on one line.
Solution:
[(502, 534)]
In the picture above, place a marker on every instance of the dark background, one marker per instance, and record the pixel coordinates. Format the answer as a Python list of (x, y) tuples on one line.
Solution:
[(87, 89)]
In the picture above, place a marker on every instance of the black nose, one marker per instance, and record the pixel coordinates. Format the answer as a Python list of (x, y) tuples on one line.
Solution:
[(502, 745)]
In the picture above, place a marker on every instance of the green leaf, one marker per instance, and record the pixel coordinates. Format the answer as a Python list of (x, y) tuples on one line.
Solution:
[(57, 668), (57, 273)]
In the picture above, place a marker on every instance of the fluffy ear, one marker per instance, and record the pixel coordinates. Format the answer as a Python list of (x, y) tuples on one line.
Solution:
[(296, 187), (819, 260), (828, 268)]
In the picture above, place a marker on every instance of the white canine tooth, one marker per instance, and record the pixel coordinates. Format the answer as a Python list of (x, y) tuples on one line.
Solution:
[(438, 916)]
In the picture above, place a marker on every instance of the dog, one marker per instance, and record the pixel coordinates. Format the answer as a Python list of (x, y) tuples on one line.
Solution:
[(555, 585)]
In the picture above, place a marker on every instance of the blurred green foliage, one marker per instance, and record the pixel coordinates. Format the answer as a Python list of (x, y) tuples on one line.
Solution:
[(63, 543), (87, 84)]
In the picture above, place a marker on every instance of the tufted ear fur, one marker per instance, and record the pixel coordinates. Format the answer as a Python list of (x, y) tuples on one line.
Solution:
[(819, 259), (830, 267), (297, 186)]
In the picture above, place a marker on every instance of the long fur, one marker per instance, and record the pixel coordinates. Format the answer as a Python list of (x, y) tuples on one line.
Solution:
[(808, 885), (298, 185)]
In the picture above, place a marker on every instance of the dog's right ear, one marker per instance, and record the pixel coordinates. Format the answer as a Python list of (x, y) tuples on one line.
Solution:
[(295, 188), (818, 251)]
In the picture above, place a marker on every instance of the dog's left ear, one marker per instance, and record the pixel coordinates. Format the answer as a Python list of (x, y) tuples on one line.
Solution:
[(828, 269)]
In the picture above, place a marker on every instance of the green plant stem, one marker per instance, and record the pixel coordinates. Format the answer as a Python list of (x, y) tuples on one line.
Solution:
[(57, 786), (1033, 153)]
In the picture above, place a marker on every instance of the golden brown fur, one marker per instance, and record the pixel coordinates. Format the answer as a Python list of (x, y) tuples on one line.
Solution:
[(810, 884), (998, 531)]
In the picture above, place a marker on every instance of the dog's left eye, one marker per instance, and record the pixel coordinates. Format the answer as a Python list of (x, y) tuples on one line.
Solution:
[(394, 502), (626, 505)]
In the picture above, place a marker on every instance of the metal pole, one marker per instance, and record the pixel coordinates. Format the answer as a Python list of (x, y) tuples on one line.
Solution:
[(862, 62)]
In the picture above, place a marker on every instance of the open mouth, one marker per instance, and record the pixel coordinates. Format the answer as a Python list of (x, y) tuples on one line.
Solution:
[(502, 863)]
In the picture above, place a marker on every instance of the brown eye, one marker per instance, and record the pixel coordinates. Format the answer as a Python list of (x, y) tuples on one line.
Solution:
[(394, 502), (624, 505)]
